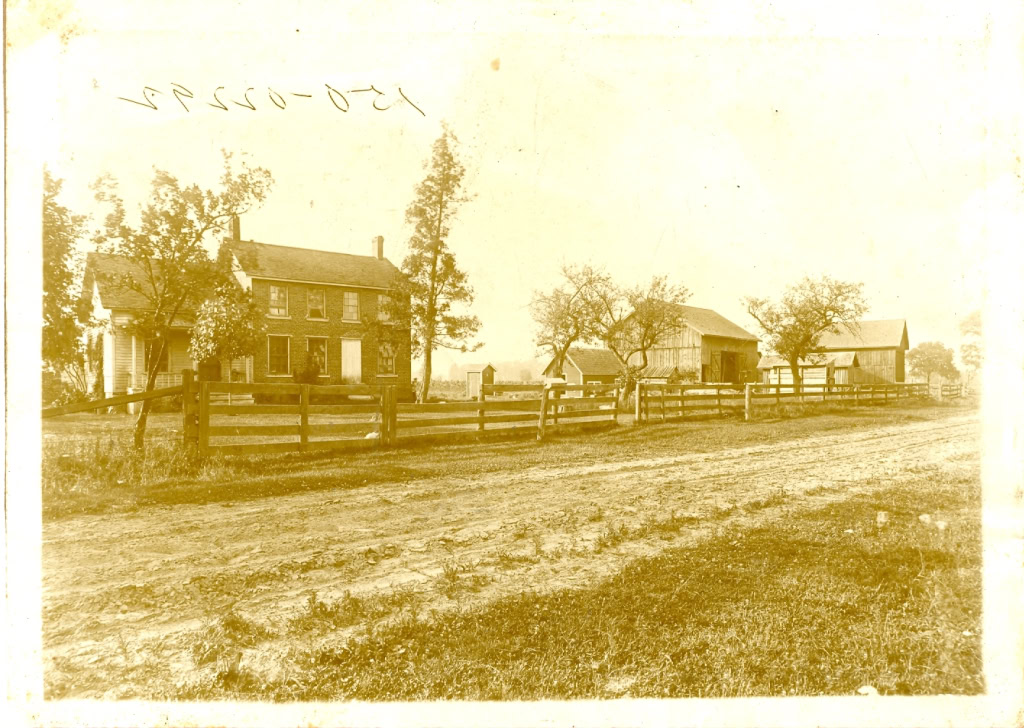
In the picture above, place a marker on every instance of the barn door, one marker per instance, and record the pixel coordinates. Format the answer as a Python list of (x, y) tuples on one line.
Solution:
[(716, 366)]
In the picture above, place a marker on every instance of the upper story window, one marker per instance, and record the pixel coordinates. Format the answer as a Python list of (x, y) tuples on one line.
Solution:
[(316, 307), (278, 300), (383, 307), (351, 306)]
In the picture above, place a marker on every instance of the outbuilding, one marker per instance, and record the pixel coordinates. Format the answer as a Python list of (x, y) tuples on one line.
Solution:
[(477, 376), (586, 366), (840, 368)]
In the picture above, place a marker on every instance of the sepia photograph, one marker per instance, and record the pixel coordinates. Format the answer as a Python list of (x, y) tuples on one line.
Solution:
[(544, 363)]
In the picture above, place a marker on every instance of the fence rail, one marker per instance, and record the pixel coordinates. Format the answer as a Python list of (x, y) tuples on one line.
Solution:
[(110, 401)]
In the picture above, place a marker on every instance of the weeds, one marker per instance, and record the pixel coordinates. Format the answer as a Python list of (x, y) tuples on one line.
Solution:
[(224, 635)]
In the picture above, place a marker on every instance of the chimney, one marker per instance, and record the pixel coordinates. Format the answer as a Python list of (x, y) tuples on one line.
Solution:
[(378, 247), (236, 228)]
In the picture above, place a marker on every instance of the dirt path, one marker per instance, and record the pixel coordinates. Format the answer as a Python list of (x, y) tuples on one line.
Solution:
[(123, 590)]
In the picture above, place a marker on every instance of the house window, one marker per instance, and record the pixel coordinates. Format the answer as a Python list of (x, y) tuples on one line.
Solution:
[(386, 358), (383, 307), (278, 300), (315, 307), (152, 346), (316, 352), (278, 355), (351, 309)]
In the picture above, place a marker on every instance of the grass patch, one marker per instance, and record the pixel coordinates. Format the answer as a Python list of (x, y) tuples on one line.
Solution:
[(816, 604), (321, 616), (224, 636)]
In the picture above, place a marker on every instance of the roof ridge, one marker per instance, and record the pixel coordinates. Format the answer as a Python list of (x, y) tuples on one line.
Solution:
[(309, 250)]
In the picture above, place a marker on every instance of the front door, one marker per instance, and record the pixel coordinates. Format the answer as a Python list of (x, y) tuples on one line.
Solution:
[(209, 371), (729, 370)]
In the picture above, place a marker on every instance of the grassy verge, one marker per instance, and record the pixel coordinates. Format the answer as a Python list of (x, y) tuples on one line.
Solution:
[(817, 603), (97, 474)]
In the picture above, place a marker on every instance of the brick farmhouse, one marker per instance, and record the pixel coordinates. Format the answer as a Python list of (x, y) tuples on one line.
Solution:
[(319, 307)]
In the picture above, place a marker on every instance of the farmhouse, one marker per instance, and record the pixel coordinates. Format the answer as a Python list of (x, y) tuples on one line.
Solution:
[(586, 366), (317, 305), (880, 347), (841, 368), (709, 347)]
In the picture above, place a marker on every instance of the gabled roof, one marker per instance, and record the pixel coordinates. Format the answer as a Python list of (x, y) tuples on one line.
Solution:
[(659, 372), (710, 323), (107, 271), (263, 260), (599, 362), (888, 334), (480, 368)]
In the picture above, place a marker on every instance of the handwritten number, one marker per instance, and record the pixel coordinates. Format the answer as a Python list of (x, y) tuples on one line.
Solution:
[(248, 103), (331, 91), (279, 101), (410, 102), (184, 92), (376, 91), (219, 104), (148, 101)]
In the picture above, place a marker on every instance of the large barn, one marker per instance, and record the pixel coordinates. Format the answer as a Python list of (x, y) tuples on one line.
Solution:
[(708, 346), (880, 347)]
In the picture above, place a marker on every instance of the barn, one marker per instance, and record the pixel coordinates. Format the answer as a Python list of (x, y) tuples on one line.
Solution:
[(587, 366), (709, 347), (841, 368), (880, 347)]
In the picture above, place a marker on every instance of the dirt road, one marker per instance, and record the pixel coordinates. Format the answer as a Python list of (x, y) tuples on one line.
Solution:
[(123, 593)]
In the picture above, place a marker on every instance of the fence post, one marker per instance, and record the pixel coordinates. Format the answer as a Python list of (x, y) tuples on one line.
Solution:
[(481, 410), (188, 409), (748, 389), (636, 405), (204, 418), (718, 393), (393, 415), (662, 390), (615, 407), (303, 417), (543, 412)]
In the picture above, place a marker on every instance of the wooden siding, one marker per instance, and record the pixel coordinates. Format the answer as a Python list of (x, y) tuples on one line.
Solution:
[(689, 351), (879, 366)]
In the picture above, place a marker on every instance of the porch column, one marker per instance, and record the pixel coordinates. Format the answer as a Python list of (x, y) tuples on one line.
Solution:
[(135, 360)]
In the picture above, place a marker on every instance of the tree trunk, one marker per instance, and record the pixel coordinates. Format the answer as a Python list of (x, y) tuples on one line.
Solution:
[(794, 367), (140, 422), (426, 374)]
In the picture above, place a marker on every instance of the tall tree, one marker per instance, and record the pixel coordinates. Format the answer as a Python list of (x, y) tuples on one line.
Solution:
[(228, 326), (172, 270), (61, 231), (432, 285), (795, 324), (972, 353), (631, 321), (562, 317), (932, 357)]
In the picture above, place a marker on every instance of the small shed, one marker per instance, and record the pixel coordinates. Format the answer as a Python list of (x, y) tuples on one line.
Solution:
[(477, 376), (839, 368), (587, 366)]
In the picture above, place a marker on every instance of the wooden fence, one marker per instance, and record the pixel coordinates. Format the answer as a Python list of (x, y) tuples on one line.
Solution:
[(372, 416), (662, 402)]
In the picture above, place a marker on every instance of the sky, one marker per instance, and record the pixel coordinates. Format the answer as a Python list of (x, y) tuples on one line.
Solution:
[(734, 148)]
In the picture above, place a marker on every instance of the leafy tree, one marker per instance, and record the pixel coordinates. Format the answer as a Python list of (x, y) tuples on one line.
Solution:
[(228, 326), (795, 324), (631, 321), (61, 335), (173, 271), (972, 353), (563, 316), (931, 357), (432, 285)]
